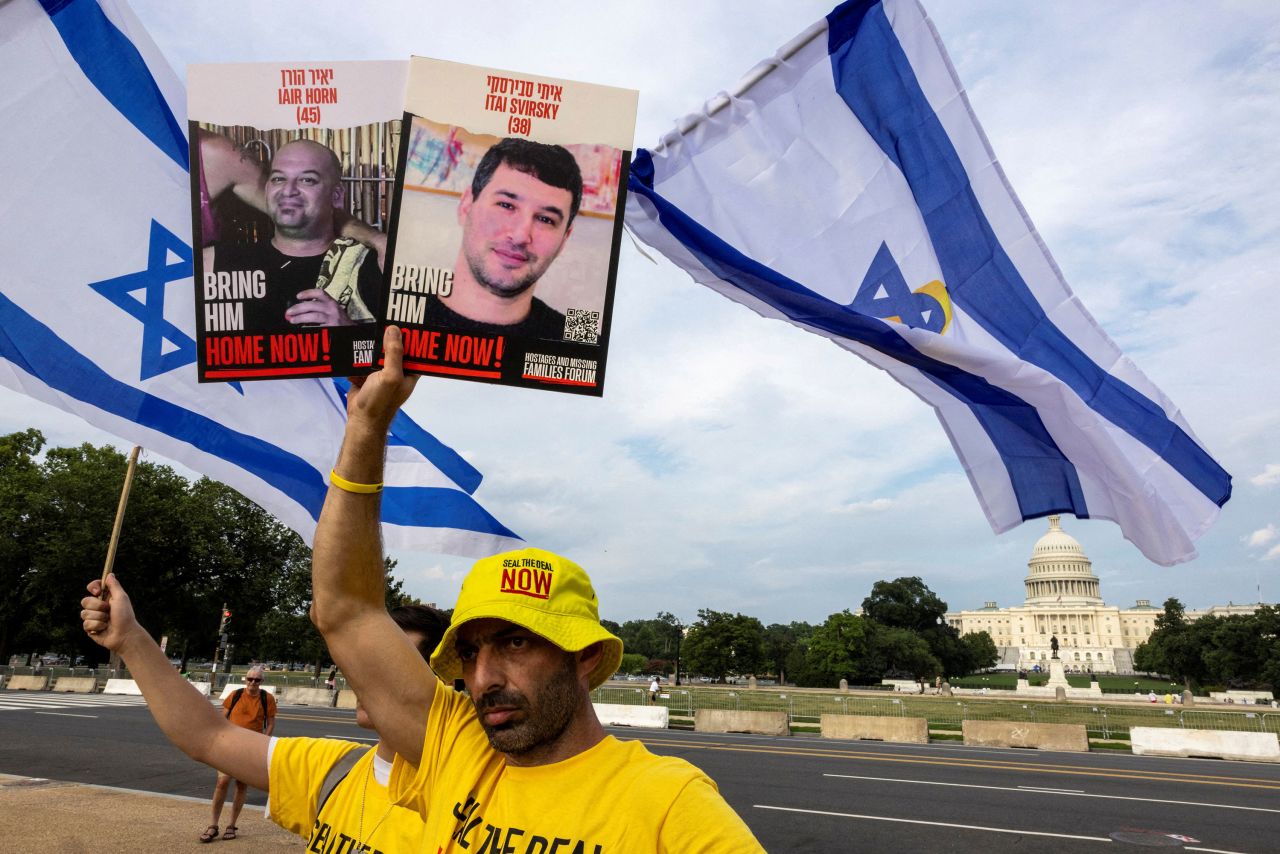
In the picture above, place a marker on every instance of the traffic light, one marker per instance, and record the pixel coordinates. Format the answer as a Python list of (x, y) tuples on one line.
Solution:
[(226, 618)]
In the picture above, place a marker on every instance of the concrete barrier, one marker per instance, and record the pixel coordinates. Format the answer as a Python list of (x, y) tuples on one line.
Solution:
[(726, 720), (1069, 737), (28, 683), (232, 686), (618, 714), (346, 699), (876, 728), (122, 686), (75, 685), (202, 687), (1219, 744), (307, 697)]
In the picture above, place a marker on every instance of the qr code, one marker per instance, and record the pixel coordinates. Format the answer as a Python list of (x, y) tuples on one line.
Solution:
[(580, 325)]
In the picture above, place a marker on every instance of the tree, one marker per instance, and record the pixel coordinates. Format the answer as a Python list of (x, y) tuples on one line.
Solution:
[(901, 652), (20, 480), (75, 507), (632, 663), (654, 638), (720, 643), (1268, 622), (1172, 648), (982, 652), (780, 642), (904, 603), (837, 650)]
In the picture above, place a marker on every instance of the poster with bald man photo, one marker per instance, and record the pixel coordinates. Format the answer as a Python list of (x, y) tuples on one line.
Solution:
[(503, 245), (292, 173)]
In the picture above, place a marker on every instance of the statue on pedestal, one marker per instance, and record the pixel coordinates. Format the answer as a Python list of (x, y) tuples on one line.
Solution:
[(1053, 645)]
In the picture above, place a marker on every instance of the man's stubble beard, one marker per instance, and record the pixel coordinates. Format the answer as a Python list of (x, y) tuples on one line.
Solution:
[(501, 289), (556, 701)]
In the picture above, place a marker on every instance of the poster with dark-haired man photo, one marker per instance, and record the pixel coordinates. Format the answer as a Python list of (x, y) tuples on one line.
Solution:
[(503, 245)]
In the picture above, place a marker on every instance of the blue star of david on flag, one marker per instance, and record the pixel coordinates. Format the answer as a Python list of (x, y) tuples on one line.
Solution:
[(884, 293), (149, 311)]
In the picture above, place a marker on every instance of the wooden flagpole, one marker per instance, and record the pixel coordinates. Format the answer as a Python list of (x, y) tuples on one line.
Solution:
[(124, 502), (115, 538)]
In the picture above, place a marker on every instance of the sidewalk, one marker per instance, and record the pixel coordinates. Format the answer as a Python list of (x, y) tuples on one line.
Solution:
[(73, 818)]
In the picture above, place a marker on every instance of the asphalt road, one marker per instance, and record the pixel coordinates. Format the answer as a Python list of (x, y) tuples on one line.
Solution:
[(797, 794)]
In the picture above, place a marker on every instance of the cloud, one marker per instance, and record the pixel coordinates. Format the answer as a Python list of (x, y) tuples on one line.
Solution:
[(1269, 476), (1262, 536), (740, 464), (858, 508)]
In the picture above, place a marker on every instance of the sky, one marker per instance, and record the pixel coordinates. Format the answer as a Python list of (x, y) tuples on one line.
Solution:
[(739, 464)]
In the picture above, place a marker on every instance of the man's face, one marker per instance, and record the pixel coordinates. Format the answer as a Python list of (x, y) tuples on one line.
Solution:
[(513, 230), (302, 191), (525, 688), (253, 682)]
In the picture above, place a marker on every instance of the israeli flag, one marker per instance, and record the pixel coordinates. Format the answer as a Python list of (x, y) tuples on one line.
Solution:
[(97, 310), (847, 187)]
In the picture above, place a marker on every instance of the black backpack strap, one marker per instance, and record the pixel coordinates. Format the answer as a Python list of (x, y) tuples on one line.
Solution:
[(337, 773), (235, 698)]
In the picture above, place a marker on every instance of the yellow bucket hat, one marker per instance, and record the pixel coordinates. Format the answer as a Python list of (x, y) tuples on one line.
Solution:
[(549, 595)]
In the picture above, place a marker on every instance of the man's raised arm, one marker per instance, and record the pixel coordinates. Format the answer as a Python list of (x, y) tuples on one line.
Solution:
[(184, 714), (394, 684)]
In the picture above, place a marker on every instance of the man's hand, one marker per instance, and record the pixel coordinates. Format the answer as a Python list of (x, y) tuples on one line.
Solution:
[(316, 308), (374, 399), (109, 621)]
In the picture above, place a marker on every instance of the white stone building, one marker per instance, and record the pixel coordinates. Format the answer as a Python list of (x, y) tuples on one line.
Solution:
[(1063, 600)]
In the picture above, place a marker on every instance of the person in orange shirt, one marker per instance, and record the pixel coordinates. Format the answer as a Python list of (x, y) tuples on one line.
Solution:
[(254, 709)]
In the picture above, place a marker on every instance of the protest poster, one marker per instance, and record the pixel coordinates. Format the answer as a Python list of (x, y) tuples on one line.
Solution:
[(293, 169), (505, 232)]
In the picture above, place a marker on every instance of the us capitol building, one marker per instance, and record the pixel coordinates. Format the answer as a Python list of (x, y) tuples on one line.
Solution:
[(1063, 599)]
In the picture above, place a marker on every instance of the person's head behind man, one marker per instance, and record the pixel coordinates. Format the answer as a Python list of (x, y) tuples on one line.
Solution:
[(526, 639), (517, 214), (303, 187)]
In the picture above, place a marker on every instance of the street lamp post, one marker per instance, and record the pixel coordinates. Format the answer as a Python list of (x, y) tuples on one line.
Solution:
[(679, 634)]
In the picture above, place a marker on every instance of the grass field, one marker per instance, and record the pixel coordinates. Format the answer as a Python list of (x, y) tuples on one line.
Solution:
[(1109, 683), (1108, 720)]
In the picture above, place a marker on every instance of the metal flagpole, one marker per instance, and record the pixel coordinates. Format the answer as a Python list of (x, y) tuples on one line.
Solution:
[(115, 538)]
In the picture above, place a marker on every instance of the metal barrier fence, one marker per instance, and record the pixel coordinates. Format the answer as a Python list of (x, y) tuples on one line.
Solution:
[(280, 679), (805, 709)]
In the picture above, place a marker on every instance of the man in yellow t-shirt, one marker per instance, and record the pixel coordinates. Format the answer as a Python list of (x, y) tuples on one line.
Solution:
[(329, 791), (522, 764)]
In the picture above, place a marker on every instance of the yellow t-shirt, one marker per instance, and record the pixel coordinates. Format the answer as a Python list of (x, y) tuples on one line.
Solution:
[(297, 774), (615, 797)]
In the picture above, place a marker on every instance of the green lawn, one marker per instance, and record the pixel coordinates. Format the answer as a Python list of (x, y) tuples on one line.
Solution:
[(1107, 718), (1107, 682)]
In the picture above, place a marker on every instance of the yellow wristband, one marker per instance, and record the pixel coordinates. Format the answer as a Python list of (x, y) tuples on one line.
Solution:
[(349, 486)]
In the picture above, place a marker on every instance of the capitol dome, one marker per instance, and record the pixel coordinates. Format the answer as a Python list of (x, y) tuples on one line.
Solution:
[(1059, 572)]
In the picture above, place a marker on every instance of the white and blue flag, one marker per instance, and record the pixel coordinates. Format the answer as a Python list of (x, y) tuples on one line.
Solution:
[(97, 309), (847, 187)]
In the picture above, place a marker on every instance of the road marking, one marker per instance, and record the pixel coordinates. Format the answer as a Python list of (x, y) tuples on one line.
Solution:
[(18, 703), (1047, 789), (1027, 767), (1069, 792), (351, 722), (66, 715), (988, 829)]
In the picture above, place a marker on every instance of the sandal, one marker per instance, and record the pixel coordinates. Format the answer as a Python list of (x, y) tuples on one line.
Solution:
[(210, 833), (230, 832)]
